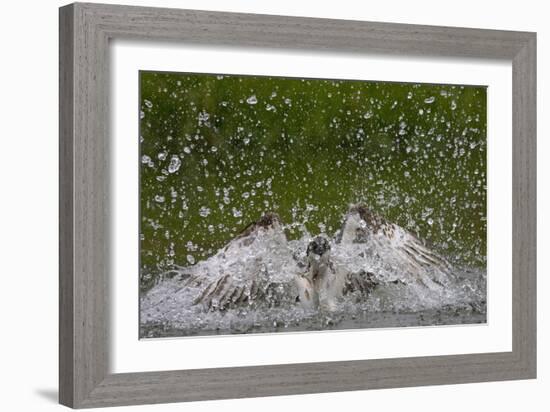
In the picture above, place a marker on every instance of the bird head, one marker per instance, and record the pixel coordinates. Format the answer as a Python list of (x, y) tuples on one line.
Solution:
[(318, 250)]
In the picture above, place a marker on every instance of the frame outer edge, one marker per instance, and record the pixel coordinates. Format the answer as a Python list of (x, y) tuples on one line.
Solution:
[(91, 202), (83, 351), (303, 33), (66, 212), (524, 206)]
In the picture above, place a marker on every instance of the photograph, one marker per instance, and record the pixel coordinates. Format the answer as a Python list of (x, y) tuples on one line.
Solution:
[(280, 204)]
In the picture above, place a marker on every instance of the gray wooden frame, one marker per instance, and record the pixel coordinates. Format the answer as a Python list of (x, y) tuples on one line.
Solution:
[(85, 31)]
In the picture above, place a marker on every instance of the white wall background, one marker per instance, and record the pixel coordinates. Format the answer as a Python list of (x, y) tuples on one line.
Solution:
[(28, 207)]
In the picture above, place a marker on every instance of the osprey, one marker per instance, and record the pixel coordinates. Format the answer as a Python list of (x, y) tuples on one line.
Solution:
[(260, 266)]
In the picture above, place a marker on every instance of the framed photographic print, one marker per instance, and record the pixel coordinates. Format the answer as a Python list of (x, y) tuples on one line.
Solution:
[(259, 205)]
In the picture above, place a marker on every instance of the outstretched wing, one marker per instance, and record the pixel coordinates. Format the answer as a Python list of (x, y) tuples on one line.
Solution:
[(226, 292), (394, 251), (250, 270)]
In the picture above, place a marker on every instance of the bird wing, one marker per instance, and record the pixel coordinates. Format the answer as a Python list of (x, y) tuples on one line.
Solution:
[(254, 268), (226, 292), (410, 255), (391, 252)]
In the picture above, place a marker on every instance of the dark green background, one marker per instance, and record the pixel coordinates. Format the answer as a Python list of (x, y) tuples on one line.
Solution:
[(306, 149)]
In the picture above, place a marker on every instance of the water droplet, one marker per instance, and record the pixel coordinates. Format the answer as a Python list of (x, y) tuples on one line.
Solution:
[(213, 149), (191, 259), (175, 164), (203, 118), (427, 212), (237, 213), (367, 115), (159, 199), (430, 221), (453, 105), (145, 159), (429, 100), (148, 103), (252, 99), (204, 211), (187, 150)]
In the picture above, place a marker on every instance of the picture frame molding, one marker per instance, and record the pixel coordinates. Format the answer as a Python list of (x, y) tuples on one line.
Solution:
[(85, 31)]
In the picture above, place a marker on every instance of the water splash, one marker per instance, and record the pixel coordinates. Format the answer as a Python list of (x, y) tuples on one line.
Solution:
[(250, 285)]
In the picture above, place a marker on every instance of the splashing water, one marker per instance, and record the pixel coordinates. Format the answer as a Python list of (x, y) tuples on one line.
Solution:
[(250, 286)]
